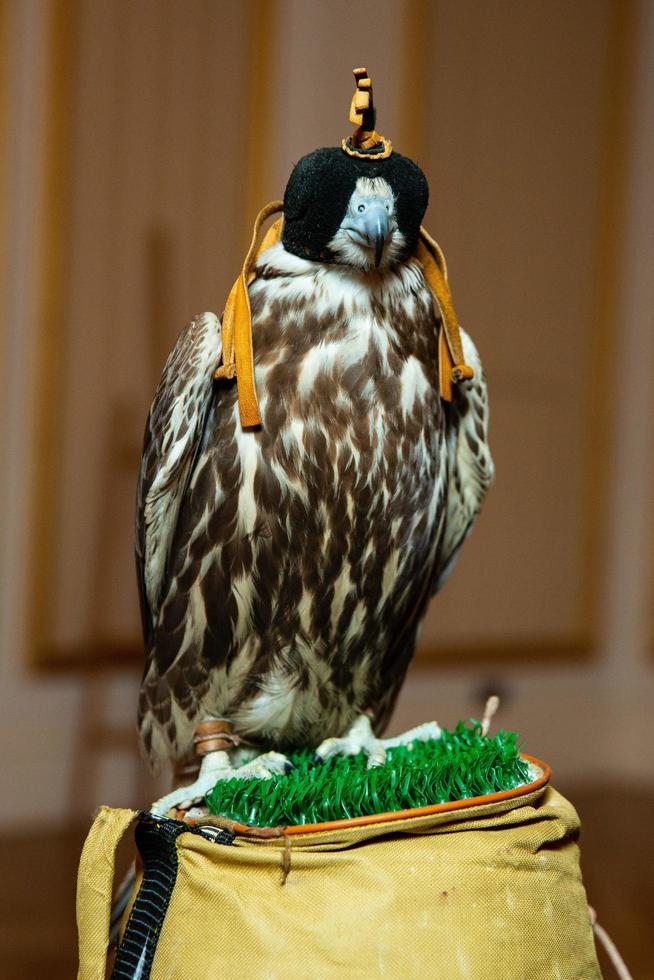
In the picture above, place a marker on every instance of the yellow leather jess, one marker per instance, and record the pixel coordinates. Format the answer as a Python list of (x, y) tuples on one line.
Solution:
[(485, 888), (238, 350)]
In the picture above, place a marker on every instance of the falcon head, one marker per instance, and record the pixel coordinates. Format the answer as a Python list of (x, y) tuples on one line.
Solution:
[(357, 212)]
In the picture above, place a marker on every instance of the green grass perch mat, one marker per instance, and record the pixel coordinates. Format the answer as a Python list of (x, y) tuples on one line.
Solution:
[(460, 764)]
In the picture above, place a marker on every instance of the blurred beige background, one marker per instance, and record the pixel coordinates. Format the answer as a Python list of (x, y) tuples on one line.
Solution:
[(139, 138)]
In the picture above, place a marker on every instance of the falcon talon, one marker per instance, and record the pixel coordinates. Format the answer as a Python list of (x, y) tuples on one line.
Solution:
[(361, 738), (377, 757), (221, 765), (196, 812)]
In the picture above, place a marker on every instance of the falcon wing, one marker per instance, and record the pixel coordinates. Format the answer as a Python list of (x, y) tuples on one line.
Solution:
[(470, 466), (172, 437)]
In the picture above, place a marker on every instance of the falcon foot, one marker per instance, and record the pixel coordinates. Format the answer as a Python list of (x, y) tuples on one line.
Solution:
[(219, 765), (361, 738)]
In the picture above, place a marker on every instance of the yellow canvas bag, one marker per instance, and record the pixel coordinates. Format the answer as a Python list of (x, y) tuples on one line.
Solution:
[(483, 889)]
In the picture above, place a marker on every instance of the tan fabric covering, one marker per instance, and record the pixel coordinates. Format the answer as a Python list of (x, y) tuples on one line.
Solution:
[(94, 888), (490, 891)]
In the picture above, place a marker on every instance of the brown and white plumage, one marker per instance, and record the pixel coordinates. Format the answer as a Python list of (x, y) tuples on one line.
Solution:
[(284, 571), (171, 441)]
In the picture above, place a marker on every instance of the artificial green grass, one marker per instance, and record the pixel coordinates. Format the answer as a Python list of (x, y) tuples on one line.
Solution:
[(460, 764)]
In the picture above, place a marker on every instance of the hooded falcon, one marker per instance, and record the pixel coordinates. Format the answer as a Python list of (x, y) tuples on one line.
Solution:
[(311, 468)]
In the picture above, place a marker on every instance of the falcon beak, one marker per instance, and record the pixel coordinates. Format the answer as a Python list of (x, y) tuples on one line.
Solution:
[(377, 230), (371, 227)]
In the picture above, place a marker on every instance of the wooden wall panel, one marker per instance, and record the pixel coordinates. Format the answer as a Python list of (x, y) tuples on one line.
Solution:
[(518, 131), (157, 168)]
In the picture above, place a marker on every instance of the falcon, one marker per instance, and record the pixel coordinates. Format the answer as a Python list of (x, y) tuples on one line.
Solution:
[(285, 566)]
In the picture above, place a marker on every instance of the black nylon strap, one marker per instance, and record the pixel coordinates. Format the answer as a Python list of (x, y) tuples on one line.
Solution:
[(156, 841)]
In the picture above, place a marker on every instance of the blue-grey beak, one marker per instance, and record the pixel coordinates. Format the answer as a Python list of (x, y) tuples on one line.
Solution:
[(370, 227)]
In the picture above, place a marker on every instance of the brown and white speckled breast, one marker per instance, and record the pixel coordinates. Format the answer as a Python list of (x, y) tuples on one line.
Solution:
[(341, 491), (301, 555)]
